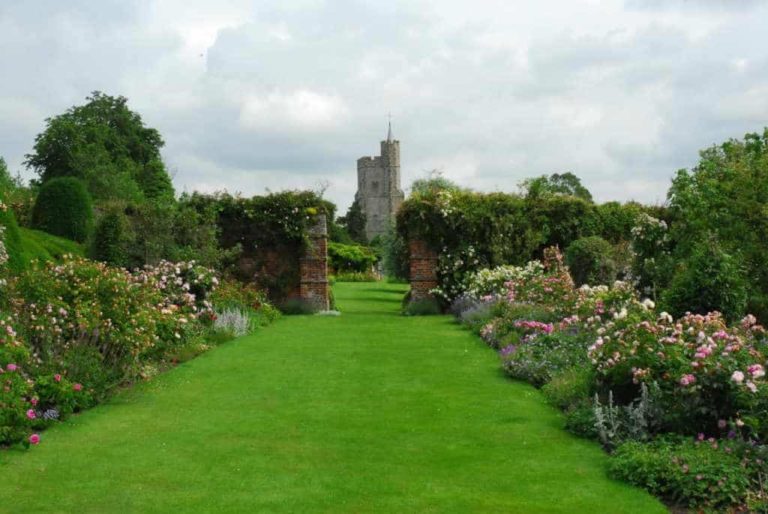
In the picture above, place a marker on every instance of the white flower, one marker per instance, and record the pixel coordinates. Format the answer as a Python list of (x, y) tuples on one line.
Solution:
[(737, 377)]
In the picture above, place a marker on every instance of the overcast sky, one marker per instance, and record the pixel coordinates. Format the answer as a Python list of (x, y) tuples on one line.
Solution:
[(289, 93)]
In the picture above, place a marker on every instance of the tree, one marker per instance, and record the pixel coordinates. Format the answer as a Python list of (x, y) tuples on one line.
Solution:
[(556, 184), (354, 222), (725, 197), (434, 182), (106, 145)]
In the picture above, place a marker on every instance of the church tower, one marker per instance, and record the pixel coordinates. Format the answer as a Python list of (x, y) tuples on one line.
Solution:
[(378, 186)]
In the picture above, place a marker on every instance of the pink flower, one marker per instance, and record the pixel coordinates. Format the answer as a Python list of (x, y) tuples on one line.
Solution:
[(737, 377), (751, 386), (756, 370), (57, 377), (687, 380), (11, 367), (34, 439), (77, 387), (33, 401), (721, 424), (31, 414)]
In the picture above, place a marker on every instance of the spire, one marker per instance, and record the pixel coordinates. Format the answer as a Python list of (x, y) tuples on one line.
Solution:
[(389, 132)]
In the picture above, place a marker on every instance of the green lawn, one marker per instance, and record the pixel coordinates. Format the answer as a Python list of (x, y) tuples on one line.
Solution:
[(366, 412)]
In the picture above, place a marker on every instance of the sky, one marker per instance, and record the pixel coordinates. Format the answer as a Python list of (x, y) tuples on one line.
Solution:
[(264, 95)]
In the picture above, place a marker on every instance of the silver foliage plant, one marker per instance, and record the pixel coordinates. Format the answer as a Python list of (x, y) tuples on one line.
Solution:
[(618, 423), (234, 321)]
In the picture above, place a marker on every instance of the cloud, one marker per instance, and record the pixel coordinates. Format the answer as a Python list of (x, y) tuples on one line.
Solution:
[(274, 94)]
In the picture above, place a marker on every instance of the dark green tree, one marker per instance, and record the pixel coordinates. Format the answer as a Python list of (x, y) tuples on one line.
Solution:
[(354, 223), (106, 145), (556, 184)]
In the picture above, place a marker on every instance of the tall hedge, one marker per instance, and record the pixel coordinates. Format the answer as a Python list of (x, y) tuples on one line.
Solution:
[(64, 208)]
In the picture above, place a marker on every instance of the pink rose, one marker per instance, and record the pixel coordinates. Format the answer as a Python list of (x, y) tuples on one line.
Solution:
[(737, 377), (31, 414), (34, 439), (11, 367), (57, 377), (33, 401), (77, 387)]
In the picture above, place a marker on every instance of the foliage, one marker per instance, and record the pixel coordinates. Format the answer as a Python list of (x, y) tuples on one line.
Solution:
[(698, 474), (425, 307), (63, 208), (569, 387), (354, 222), (590, 260), (106, 145), (234, 295), (708, 280), (267, 233), (653, 264), (350, 258), (433, 183), (110, 239), (556, 184), (540, 354), (393, 249), (724, 197), (355, 276)]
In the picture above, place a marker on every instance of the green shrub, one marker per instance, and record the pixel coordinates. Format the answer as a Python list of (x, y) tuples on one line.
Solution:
[(570, 387), (350, 258), (17, 260), (539, 356), (425, 307), (110, 239), (297, 306), (694, 474), (580, 420), (63, 208), (591, 261), (709, 280), (355, 276)]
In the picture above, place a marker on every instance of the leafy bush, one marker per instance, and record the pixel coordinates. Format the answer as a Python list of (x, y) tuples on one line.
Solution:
[(63, 208), (355, 258), (425, 307), (709, 280), (570, 387), (540, 354), (355, 276), (590, 260), (694, 474), (111, 238)]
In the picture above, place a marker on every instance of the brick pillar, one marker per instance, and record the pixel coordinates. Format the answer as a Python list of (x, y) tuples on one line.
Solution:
[(313, 266), (423, 276)]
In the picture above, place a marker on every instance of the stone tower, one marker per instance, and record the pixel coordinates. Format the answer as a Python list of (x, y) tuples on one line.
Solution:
[(378, 187)]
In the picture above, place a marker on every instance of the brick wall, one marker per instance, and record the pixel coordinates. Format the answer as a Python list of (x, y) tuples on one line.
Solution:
[(423, 275), (313, 267)]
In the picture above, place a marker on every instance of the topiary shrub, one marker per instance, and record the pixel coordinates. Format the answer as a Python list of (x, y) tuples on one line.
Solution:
[(709, 280), (64, 208), (591, 261)]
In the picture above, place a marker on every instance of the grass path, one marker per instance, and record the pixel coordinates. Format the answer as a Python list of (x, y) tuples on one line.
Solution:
[(366, 412)]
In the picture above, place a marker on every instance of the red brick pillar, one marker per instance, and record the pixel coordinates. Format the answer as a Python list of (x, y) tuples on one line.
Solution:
[(313, 265), (423, 275)]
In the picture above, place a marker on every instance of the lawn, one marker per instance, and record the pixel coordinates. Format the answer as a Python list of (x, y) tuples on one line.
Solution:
[(366, 412)]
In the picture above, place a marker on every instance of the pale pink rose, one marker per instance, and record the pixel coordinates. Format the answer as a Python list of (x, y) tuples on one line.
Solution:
[(737, 377)]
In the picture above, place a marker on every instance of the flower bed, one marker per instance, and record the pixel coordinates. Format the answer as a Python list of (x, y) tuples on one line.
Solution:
[(70, 333), (651, 388)]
